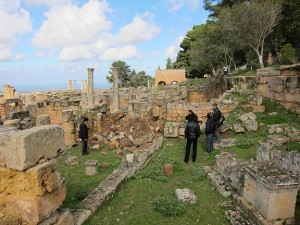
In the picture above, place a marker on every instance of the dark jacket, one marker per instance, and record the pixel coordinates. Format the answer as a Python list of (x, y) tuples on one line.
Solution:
[(192, 117), (83, 131), (192, 130), (210, 126), (216, 116)]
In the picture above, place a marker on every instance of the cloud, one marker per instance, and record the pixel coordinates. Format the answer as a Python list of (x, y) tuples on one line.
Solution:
[(14, 22), (75, 53), (178, 4), (121, 53), (69, 25), (46, 2), (141, 29), (172, 50)]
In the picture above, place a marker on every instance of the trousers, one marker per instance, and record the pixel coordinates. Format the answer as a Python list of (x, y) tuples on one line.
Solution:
[(188, 149), (84, 147)]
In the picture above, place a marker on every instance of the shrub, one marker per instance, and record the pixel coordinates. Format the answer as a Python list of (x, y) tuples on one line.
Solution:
[(288, 54), (198, 173), (244, 144), (169, 207)]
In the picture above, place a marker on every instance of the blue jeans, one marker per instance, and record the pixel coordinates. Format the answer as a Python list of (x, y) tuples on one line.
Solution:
[(209, 142)]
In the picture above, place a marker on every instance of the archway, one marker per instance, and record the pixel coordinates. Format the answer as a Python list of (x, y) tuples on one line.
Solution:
[(161, 83)]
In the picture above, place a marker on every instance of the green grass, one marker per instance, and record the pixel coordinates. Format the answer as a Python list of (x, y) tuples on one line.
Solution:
[(78, 184), (246, 73), (137, 199)]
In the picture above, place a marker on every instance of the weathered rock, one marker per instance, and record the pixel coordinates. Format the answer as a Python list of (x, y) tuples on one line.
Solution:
[(67, 115), (125, 142), (112, 146), (292, 133), (120, 153), (259, 108), (21, 150), (104, 165), (65, 218), (129, 159), (132, 149), (95, 147), (171, 129), (72, 160), (103, 154), (167, 169), (225, 127), (228, 142), (147, 138), (250, 122), (91, 168), (186, 195), (238, 128), (42, 120)]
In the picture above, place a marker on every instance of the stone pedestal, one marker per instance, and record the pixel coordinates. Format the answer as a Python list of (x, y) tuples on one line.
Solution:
[(271, 190), (91, 87), (116, 95), (70, 85), (91, 168), (168, 169)]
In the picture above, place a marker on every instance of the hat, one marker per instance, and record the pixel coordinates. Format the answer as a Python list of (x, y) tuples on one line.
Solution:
[(215, 104)]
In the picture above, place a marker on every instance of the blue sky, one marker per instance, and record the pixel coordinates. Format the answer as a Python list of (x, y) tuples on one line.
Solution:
[(44, 43)]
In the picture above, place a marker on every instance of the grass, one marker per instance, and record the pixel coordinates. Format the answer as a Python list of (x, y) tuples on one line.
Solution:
[(78, 184), (143, 200), (246, 73)]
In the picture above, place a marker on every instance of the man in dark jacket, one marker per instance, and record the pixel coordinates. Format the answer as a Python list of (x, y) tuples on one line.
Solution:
[(216, 116), (84, 135), (191, 116), (192, 133), (210, 129)]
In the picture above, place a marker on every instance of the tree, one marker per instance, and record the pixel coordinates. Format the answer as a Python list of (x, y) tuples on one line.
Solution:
[(288, 54), (124, 73), (252, 22), (169, 64)]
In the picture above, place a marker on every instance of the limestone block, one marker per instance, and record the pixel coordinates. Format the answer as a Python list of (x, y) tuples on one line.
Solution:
[(167, 169), (259, 99), (271, 190), (125, 142), (13, 123), (42, 120), (259, 108), (144, 139), (35, 209), (65, 218), (263, 150), (225, 127), (67, 115), (238, 128), (72, 160), (24, 149), (171, 129), (250, 122), (91, 168), (186, 195), (130, 159)]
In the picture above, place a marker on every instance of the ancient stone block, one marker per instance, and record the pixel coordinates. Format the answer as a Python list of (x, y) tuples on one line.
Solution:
[(167, 169), (69, 129), (171, 129), (271, 190), (104, 165), (72, 160), (259, 108), (91, 167), (24, 149), (186, 195), (67, 115), (250, 122), (125, 142), (42, 120), (238, 128)]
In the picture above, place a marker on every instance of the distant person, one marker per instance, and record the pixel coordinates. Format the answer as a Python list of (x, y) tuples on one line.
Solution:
[(210, 129), (192, 133), (191, 116), (217, 117), (84, 135)]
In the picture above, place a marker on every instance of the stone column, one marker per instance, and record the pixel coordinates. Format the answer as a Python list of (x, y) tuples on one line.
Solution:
[(74, 85), (116, 95), (148, 83), (91, 87), (70, 85), (81, 85), (85, 86)]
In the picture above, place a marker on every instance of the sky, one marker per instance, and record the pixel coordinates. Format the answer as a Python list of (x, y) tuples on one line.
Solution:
[(45, 43)]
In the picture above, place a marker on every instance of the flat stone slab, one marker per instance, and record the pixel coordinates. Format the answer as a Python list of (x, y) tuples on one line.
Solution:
[(186, 195), (71, 160)]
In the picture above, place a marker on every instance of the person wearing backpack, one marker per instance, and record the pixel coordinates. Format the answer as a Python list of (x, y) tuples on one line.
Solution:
[(218, 119), (192, 133), (210, 129)]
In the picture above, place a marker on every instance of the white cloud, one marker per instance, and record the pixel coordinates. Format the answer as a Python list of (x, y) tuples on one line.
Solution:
[(74, 53), (172, 50), (46, 2), (121, 53), (141, 29), (69, 25), (14, 21), (178, 4)]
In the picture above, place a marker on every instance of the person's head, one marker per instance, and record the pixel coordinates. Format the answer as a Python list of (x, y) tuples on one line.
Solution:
[(190, 112), (215, 105), (85, 119), (208, 115)]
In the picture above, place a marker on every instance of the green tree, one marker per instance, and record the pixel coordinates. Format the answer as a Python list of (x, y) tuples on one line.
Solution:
[(124, 73), (252, 22), (169, 64), (288, 54)]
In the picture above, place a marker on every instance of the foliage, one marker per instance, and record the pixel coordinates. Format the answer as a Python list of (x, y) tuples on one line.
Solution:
[(246, 73), (169, 207), (198, 173), (244, 144), (169, 64), (288, 54), (129, 77)]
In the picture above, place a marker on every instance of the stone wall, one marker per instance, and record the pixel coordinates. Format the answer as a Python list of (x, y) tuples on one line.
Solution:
[(282, 85), (169, 76), (31, 187)]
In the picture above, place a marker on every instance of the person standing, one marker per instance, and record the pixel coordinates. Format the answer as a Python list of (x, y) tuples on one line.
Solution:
[(191, 116), (192, 133), (216, 117), (84, 135), (210, 129)]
